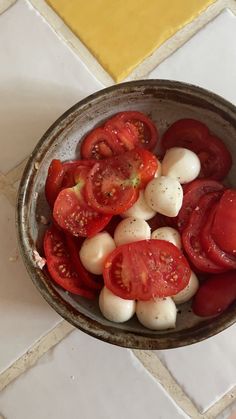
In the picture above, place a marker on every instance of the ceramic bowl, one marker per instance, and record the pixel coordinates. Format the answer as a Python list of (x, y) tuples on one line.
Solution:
[(165, 101)]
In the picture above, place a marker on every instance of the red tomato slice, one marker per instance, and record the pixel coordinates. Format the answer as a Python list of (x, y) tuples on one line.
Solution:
[(215, 158), (146, 131), (72, 171), (93, 282), (215, 295), (224, 224), (60, 265), (191, 235), (214, 252), (144, 164), (73, 213), (54, 181), (194, 191), (146, 269), (99, 144)]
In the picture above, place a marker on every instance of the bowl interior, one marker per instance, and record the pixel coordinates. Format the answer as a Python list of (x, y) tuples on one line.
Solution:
[(165, 102)]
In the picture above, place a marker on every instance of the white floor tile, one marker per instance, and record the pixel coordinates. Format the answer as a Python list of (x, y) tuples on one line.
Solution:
[(40, 77), (87, 379), (206, 370), (24, 315), (207, 60)]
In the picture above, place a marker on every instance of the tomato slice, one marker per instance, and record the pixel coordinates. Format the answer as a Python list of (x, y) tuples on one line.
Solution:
[(72, 171), (146, 131), (214, 252), (99, 144), (54, 181), (60, 265), (215, 158), (215, 295), (224, 224), (93, 282), (73, 213), (194, 191), (144, 165), (191, 235), (146, 269)]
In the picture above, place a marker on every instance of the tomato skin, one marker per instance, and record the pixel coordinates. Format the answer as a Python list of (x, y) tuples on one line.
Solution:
[(191, 235), (215, 294), (54, 181), (99, 144), (224, 224), (146, 269), (72, 171), (72, 212), (60, 265), (214, 252), (192, 194), (146, 131), (215, 158)]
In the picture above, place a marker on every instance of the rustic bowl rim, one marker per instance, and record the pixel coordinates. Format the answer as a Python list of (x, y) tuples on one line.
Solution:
[(105, 333)]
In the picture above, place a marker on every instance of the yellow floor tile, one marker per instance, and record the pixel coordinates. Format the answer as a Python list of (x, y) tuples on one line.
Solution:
[(121, 33)]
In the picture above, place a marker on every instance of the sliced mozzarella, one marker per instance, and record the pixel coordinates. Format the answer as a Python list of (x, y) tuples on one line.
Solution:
[(114, 308), (181, 164), (164, 195), (94, 251), (188, 292), (157, 314), (159, 171), (140, 209), (131, 230), (169, 234)]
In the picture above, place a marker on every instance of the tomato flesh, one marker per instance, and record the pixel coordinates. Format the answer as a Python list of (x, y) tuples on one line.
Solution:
[(54, 181), (99, 144), (215, 295), (60, 265), (146, 269)]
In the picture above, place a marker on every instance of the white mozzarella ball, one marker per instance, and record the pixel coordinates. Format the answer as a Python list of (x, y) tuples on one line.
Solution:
[(181, 164), (188, 292), (114, 308), (131, 230), (169, 234), (158, 171), (140, 209), (164, 195), (94, 251), (158, 314)]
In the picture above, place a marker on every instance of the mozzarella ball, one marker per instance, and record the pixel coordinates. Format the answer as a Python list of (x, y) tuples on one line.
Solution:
[(94, 251), (164, 195), (114, 308), (188, 292), (158, 172), (169, 234), (181, 164), (140, 209), (131, 230), (158, 314)]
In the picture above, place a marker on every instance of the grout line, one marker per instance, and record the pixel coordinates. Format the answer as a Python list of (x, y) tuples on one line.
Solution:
[(4, 5), (33, 354), (15, 174), (225, 401), (156, 368)]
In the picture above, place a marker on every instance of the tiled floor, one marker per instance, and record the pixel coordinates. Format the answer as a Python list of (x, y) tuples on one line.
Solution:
[(40, 77)]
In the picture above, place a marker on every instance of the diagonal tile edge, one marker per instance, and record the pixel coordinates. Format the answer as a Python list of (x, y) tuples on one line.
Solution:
[(28, 360), (8, 190), (67, 36), (219, 407), (15, 174), (5, 4)]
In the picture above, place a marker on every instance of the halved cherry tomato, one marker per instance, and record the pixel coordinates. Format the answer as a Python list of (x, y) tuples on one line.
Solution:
[(73, 213), (191, 235), (215, 295), (213, 251), (72, 171), (146, 269), (93, 282), (193, 192), (147, 135), (224, 224), (99, 144), (54, 181), (143, 163), (60, 265), (215, 158)]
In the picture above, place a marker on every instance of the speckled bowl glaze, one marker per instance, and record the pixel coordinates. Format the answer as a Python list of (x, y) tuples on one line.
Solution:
[(165, 101)]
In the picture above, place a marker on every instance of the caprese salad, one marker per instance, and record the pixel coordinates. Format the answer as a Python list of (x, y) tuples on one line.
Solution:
[(141, 232)]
